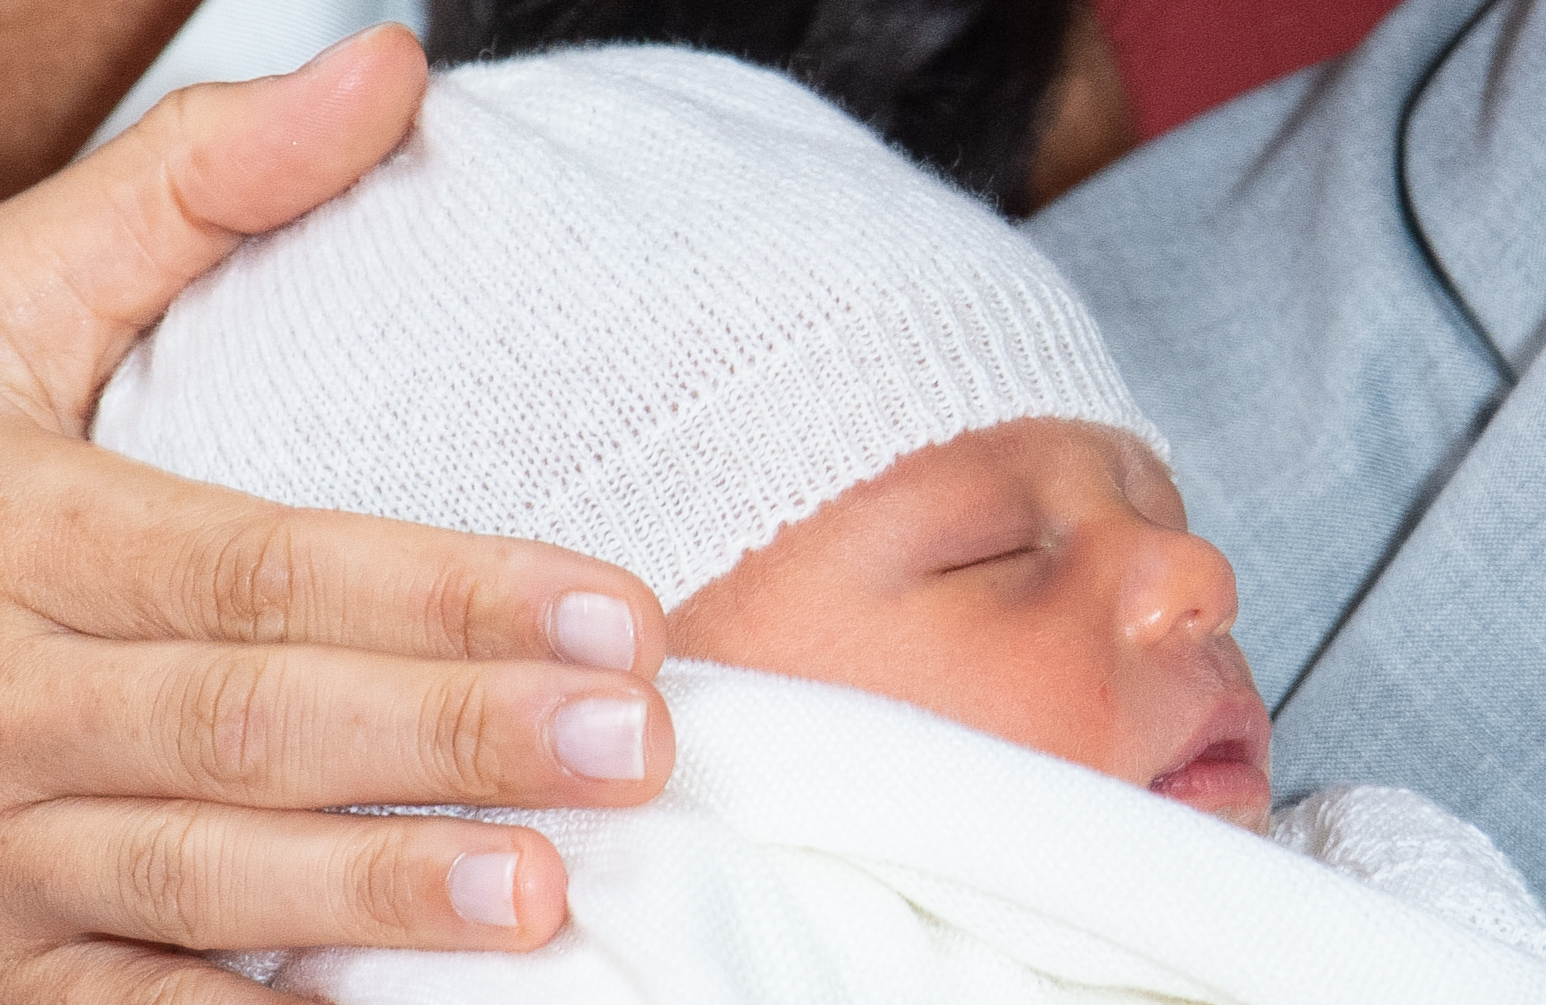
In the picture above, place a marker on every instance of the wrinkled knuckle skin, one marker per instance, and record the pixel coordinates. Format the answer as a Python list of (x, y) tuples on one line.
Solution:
[(377, 896), (256, 580), (97, 973), (456, 729), (473, 606), (450, 608), (160, 866), (229, 723), (170, 115), (160, 986), (173, 128)]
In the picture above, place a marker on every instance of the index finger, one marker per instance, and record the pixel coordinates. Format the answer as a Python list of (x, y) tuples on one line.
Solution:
[(98, 251), (119, 550)]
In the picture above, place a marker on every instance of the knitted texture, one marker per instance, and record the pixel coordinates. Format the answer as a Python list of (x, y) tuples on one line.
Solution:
[(1401, 843), (645, 303)]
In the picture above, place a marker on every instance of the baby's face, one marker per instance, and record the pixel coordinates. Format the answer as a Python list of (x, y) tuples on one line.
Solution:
[(1035, 580)]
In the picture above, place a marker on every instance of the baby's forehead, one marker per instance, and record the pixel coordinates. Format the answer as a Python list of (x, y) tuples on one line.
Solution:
[(991, 481), (1015, 456)]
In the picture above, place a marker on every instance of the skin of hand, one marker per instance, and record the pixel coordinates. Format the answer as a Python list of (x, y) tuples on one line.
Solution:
[(1035, 581), (188, 673)]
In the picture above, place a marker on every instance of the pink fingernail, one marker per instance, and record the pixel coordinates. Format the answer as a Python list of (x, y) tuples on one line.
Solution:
[(602, 738), (483, 888), (592, 629)]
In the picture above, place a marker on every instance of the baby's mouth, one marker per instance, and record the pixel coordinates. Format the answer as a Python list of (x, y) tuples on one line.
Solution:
[(1223, 770)]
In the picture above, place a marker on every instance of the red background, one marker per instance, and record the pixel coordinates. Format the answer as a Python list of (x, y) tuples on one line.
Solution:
[(1181, 57)]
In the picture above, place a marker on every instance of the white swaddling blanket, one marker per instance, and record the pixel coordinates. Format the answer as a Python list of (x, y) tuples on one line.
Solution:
[(817, 844), (652, 305)]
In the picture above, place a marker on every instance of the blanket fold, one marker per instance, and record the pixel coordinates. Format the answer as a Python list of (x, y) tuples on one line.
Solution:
[(817, 844)]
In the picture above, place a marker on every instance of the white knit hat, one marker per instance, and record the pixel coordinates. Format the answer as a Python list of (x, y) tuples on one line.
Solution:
[(646, 303)]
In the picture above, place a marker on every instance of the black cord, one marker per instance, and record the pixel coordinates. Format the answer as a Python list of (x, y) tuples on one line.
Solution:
[(1446, 283), (1413, 224)]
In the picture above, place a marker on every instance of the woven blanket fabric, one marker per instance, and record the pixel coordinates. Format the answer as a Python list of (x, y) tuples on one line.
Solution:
[(823, 845)]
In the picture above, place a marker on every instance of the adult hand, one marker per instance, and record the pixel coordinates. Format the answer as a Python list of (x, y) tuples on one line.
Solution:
[(186, 673)]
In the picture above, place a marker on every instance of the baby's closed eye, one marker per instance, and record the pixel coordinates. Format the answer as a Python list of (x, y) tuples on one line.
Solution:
[(993, 558)]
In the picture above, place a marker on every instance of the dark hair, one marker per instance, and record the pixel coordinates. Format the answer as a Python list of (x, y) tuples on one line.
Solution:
[(958, 83)]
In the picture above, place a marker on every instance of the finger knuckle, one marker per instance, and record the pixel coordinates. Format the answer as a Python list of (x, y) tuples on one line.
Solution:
[(256, 576), (456, 731), (377, 891), (471, 603), (449, 608), (161, 985), (165, 132), (89, 973), (229, 722), (164, 881), (171, 128), (171, 112)]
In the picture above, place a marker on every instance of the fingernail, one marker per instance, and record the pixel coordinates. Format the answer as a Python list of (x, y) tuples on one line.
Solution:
[(342, 43), (483, 888), (592, 629), (602, 738)]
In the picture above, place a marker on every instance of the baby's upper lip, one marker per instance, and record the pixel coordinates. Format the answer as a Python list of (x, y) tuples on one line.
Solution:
[(1236, 730)]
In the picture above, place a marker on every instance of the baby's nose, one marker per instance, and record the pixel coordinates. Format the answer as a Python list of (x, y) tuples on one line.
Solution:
[(1174, 582)]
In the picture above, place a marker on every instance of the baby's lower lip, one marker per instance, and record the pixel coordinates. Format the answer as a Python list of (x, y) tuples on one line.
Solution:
[(1218, 779)]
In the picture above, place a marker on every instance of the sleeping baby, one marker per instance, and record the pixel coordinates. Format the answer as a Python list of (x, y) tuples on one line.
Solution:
[(682, 315)]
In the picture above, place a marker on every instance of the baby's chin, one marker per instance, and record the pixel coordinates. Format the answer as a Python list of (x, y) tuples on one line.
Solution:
[(1255, 819)]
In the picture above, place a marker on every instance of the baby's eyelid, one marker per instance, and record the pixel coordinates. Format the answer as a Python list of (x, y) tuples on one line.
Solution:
[(1023, 550)]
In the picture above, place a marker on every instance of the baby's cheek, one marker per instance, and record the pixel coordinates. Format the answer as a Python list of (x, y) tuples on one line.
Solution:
[(1065, 710)]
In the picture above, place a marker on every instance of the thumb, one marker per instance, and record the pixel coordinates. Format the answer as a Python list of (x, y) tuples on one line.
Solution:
[(97, 252)]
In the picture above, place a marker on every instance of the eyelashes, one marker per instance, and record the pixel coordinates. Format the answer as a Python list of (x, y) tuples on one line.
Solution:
[(1012, 554)]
